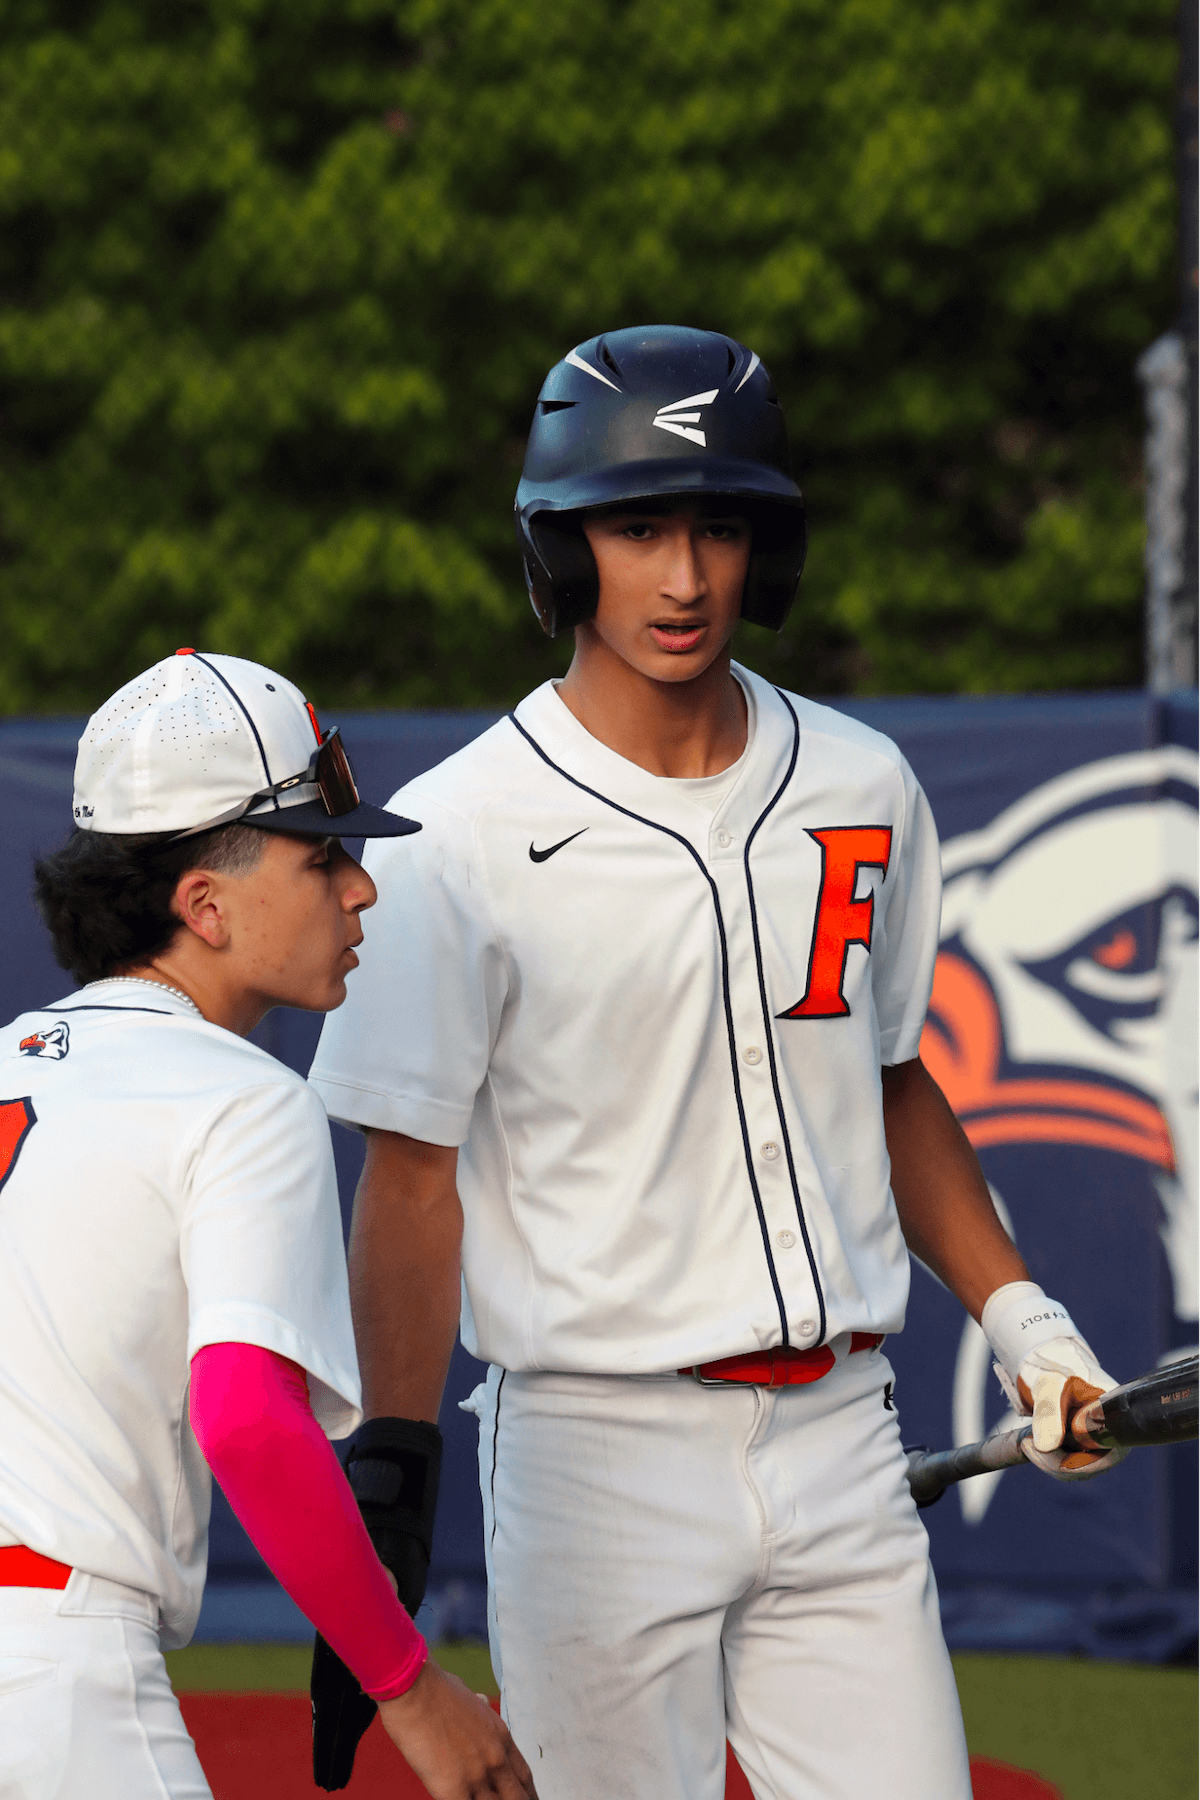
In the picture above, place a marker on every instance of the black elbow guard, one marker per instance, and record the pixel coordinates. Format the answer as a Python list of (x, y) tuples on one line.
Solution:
[(393, 1468)]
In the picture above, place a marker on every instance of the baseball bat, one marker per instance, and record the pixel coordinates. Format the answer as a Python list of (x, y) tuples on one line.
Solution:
[(1158, 1408)]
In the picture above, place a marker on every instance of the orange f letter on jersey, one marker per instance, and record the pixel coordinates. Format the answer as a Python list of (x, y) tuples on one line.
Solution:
[(17, 1119), (841, 919)]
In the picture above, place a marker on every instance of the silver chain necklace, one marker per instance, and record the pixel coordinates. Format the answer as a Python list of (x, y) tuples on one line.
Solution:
[(142, 981)]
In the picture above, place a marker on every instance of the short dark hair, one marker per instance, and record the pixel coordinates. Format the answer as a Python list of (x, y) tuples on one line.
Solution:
[(105, 898)]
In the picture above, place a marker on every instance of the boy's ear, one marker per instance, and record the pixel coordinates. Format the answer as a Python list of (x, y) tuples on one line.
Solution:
[(198, 902)]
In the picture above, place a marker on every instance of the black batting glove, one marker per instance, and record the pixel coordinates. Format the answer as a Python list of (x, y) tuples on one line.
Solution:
[(341, 1713), (393, 1466)]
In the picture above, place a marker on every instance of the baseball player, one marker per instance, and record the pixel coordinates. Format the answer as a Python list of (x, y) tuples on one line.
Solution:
[(640, 1020), (172, 1281)]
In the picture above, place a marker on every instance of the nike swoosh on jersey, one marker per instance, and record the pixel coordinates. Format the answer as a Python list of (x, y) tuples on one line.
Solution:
[(541, 855)]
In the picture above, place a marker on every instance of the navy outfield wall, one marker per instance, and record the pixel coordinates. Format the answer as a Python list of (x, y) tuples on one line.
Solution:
[(1063, 1029)]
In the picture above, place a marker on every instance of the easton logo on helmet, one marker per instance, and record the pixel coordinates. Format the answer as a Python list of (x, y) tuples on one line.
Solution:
[(681, 422)]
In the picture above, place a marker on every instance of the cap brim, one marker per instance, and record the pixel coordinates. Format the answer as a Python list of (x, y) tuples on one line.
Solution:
[(311, 820)]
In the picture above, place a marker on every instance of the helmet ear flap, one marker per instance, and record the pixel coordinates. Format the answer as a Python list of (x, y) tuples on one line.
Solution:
[(560, 570), (777, 553)]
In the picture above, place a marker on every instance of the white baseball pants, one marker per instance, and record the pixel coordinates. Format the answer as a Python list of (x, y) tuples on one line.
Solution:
[(669, 1564), (86, 1706)]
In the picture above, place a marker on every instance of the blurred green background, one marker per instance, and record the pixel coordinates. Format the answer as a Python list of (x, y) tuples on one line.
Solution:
[(280, 279)]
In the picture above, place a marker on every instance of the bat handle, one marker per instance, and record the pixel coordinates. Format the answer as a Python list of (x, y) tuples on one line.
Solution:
[(930, 1474)]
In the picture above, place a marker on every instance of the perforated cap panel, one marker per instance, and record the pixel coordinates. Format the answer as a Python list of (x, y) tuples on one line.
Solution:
[(188, 743)]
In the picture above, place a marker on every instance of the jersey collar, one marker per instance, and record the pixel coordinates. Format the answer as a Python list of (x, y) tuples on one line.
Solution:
[(128, 996), (550, 722)]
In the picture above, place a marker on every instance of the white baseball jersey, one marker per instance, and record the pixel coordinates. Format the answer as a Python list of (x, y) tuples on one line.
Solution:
[(163, 1185), (653, 1018)]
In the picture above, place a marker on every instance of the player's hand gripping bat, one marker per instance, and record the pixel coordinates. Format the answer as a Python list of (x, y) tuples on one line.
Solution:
[(1159, 1408)]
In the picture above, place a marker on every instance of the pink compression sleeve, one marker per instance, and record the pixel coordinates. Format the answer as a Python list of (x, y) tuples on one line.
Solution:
[(252, 1418)]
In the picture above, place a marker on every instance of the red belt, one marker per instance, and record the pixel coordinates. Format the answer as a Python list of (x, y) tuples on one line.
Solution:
[(20, 1567), (778, 1368)]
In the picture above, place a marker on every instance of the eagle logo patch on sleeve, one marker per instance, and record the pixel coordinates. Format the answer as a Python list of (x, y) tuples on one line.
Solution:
[(52, 1043)]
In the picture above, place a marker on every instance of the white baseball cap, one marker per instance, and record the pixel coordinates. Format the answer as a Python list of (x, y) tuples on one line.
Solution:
[(200, 741)]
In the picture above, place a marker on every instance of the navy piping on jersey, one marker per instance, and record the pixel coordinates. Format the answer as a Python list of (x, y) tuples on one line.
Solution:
[(737, 1086), (63, 1012), (496, 1446), (768, 1023), (245, 709)]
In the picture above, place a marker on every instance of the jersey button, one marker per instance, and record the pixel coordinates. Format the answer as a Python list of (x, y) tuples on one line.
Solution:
[(752, 1054), (785, 1239), (724, 839), (770, 1151), (807, 1328)]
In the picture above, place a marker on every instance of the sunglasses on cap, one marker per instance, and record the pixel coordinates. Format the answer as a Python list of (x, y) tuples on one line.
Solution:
[(328, 771), (321, 800)]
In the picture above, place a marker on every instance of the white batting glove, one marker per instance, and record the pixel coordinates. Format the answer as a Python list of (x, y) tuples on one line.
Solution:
[(1048, 1370)]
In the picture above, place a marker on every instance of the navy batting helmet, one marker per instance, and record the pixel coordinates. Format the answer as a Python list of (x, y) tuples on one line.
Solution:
[(656, 411)]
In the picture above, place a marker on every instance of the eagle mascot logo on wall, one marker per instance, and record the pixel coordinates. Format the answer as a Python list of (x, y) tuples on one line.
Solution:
[(1064, 1007)]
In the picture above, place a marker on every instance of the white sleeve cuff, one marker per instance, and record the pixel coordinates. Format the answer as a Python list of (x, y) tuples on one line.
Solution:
[(335, 1393), (1018, 1318), (430, 1121)]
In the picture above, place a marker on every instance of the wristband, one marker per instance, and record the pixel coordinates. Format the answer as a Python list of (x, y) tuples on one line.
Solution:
[(1019, 1318), (393, 1467)]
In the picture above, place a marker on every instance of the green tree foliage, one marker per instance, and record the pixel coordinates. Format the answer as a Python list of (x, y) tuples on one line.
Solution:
[(279, 281)]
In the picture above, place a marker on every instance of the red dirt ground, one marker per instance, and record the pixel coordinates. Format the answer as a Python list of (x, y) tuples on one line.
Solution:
[(257, 1747)]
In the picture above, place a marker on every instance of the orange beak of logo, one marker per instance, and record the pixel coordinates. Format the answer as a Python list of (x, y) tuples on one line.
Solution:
[(961, 1047)]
